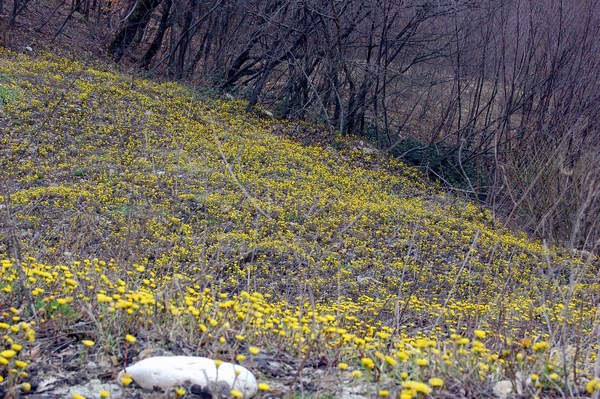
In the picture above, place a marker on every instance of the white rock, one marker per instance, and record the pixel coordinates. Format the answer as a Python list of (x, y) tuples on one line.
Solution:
[(28, 48), (171, 371), (503, 389)]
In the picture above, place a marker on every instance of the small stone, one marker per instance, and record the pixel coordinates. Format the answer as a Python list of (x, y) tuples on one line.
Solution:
[(503, 389)]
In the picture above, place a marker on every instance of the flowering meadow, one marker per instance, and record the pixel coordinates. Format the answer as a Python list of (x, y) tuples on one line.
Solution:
[(137, 214)]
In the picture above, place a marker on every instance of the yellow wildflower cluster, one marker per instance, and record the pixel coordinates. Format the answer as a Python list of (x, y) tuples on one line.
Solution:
[(149, 208)]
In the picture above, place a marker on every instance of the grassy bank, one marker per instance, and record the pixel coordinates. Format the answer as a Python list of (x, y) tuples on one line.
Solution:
[(141, 208)]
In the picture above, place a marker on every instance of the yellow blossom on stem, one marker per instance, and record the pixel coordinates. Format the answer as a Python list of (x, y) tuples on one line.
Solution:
[(356, 374), (8, 353), (417, 386), (126, 379), (422, 362), (367, 362), (390, 360), (264, 387), (436, 382), (254, 350)]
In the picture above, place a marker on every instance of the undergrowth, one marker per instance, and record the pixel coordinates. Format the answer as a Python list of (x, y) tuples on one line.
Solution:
[(137, 207)]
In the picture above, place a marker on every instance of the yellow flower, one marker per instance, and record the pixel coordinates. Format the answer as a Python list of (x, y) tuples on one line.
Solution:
[(422, 362), (263, 387), (180, 391), (540, 346), (8, 354), (436, 382), (383, 393), (104, 394), (241, 358), (254, 350), (78, 396), (553, 377), (592, 386), (130, 338), (343, 366), (103, 298), (417, 386), (126, 379), (390, 360), (407, 394), (26, 387), (16, 347), (236, 393), (88, 342), (367, 362), (356, 374), (218, 363), (21, 364), (479, 334)]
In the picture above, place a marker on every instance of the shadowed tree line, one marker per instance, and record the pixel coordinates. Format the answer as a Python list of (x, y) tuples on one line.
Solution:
[(497, 98)]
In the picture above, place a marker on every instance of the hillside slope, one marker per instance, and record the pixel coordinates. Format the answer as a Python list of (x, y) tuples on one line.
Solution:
[(141, 209)]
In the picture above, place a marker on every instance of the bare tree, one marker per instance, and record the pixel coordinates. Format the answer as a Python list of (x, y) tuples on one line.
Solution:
[(134, 24)]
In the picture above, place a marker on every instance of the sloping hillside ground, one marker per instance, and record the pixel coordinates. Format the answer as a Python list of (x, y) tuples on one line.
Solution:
[(197, 228)]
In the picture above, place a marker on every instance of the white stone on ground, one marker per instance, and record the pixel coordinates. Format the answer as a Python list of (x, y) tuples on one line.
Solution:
[(166, 372)]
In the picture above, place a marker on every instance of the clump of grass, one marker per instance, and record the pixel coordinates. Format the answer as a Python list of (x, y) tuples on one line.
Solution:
[(7, 95)]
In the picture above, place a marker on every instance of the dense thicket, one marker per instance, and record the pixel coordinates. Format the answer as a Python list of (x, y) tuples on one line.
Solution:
[(499, 98)]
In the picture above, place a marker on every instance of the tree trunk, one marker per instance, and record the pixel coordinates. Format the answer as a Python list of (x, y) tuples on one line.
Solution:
[(18, 6), (160, 34), (137, 21)]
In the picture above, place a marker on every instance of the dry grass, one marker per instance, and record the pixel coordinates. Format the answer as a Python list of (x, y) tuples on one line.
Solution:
[(142, 210)]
